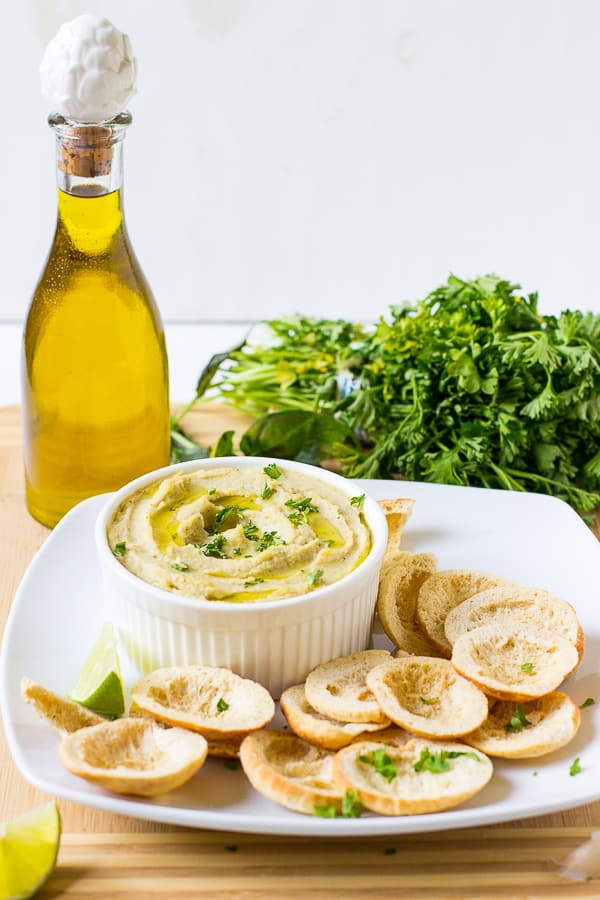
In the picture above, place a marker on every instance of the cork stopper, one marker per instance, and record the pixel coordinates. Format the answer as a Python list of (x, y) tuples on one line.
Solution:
[(87, 152)]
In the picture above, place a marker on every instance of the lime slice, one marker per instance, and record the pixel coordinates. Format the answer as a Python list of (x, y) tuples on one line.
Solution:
[(100, 687), (28, 850)]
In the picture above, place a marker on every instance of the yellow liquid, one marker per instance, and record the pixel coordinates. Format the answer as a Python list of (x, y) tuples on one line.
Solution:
[(95, 382)]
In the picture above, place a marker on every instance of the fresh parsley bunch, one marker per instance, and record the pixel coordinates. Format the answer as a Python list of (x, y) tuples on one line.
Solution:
[(471, 385), (474, 386)]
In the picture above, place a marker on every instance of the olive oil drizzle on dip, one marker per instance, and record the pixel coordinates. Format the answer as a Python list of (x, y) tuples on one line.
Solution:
[(217, 534)]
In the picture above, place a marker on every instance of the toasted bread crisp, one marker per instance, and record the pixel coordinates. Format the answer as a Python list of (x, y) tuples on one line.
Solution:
[(290, 771), (414, 778), (519, 665), (516, 607), (223, 748), (441, 593), (533, 729), (63, 714), (397, 513), (310, 725), (226, 748), (338, 689), (212, 701), (428, 697), (133, 756), (136, 713), (399, 584)]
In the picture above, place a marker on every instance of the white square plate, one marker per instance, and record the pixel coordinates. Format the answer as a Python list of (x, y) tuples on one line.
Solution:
[(539, 541)]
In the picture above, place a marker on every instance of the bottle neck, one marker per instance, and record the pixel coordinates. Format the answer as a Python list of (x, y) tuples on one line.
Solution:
[(89, 157), (90, 177)]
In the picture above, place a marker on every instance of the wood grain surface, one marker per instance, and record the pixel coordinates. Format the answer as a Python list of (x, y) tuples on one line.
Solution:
[(105, 855)]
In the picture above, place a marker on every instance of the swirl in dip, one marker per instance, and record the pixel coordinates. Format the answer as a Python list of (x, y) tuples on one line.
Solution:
[(239, 535)]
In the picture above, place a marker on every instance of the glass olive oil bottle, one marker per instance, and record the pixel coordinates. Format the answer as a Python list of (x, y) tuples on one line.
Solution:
[(95, 382)]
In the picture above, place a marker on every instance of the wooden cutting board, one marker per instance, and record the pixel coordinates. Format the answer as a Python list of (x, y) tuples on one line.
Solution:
[(104, 855)]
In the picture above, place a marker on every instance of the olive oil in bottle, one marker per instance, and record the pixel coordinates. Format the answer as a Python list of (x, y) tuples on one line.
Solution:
[(95, 383)]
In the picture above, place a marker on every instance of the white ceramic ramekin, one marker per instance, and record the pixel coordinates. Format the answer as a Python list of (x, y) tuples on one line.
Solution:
[(275, 643)]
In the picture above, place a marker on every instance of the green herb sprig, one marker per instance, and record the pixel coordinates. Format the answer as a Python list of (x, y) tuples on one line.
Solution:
[(518, 720), (438, 762), (215, 547), (470, 385), (381, 762)]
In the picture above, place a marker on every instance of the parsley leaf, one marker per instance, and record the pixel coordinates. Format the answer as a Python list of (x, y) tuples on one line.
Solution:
[(272, 471), (226, 511), (518, 720), (438, 762), (269, 539), (351, 805), (575, 768), (253, 581), (302, 509), (266, 492), (250, 531), (222, 705), (357, 501), (315, 578), (179, 566), (381, 762), (527, 668), (215, 547), (327, 812), (429, 702), (589, 701), (120, 548)]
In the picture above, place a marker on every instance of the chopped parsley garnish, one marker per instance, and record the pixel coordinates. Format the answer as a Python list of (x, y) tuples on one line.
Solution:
[(302, 508), (429, 701), (179, 566), (527, 668), (315, 578), (212, 491), (326, 812), (438, 762), (589, 701), (381, 762), (237, 551), (575, 768), (518, 720), (250, 531), (215, 547), (266, 492), (120, 548), (222, 705), (227, 511), (269, 539), (253, 581), (272, 471), (357, 501), (351, 805)]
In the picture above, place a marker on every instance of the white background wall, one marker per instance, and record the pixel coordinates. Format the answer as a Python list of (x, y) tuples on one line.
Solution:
[(329, 156)]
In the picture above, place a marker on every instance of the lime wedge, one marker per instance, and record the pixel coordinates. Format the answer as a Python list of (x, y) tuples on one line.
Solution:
[(28, 850), (100, 687)]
